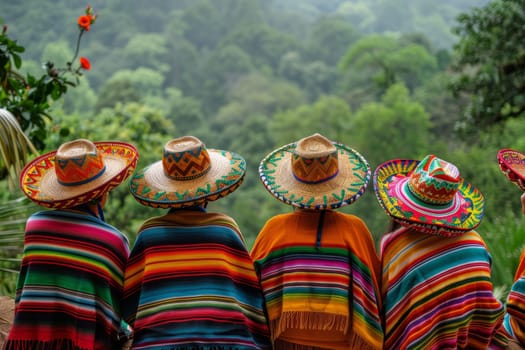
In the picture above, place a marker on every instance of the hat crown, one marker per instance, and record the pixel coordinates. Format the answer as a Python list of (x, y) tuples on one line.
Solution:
[(78, 162), (185, 158), (314, 160), (434, 181)]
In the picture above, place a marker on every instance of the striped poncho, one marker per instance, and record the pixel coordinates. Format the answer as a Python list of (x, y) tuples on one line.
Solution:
[(190, 284), (70, 283), (320, 285), (514, 322), (437, 292)]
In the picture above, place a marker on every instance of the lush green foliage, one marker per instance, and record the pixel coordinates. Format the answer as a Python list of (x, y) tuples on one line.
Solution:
[(28, 97), (505, 240), (14, 148), (252, 75), (491, 62), (13, 213)]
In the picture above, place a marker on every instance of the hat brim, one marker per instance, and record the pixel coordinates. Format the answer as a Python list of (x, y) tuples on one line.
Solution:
[(275, 172), (39, 183), (463, 213), (512, 164), (151, 187)]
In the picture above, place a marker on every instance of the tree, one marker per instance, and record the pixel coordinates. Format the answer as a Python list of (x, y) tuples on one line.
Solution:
[(329, 116), (185, 64), (130, 86), (28, 97), (444, 110), (185, 112), (121, 90), (395, 127), (253, 95), (223, 68), (490, 62), (148, 51), (358, 13), (329, 39), (264, 44), (316, 77), (390, 60)]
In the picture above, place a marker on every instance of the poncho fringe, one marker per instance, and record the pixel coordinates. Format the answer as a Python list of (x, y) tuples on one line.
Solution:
[(58, 344), (354, 342), (308, 321)]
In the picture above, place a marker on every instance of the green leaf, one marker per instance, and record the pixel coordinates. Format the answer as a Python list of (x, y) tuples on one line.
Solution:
[(17, 60)]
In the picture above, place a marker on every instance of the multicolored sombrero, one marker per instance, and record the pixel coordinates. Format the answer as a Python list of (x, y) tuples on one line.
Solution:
[(428, 196), (512, 164), (78, 172), (315, 173), (189, 174)]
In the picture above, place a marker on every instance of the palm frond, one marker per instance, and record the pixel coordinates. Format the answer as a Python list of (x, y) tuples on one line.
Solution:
[(13, 215), (15, 146)]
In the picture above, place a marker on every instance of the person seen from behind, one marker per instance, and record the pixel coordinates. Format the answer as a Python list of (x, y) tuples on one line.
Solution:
[(190, 282), (512, 164), (72, 272), (318, 267), (436, 270)]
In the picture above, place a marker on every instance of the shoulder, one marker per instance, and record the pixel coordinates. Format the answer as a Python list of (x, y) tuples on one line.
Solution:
[(349, 219)]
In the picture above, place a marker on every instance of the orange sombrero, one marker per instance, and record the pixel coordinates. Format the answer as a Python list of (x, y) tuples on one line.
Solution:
[(78, 172)]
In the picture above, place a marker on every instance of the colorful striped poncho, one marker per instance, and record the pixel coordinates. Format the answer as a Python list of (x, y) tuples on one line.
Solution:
[(514, 321), (190, 284), (437, 292), (320, 285), (70, 283)]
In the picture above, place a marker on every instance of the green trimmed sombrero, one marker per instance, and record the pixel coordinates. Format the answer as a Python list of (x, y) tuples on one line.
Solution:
[(189, 174), (315, 173), (428, 196)]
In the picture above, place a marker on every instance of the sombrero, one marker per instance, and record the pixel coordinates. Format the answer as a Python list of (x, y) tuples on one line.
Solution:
[(428, 196), (77, 172), (512, 164), (315, 173), (188, 175)]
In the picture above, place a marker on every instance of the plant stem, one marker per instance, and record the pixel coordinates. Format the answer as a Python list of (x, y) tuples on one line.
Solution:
[(78, 45)]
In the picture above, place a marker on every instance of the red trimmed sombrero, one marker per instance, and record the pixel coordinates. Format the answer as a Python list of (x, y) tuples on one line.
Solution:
[(189, 174), (428, 196), (512, 164), (315, 173), (78, 172)]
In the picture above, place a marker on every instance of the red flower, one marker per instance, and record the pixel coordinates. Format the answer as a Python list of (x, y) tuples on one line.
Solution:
[(84, 22), (84, 63)]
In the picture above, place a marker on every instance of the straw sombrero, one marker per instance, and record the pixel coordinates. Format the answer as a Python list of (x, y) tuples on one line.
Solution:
[(428, 196), (188, 175), (512, 164), (78, 172), (315, 173)]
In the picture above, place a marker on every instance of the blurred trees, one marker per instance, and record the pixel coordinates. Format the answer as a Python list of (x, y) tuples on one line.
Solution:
[(390, 60), (491, 62), (250, 76)]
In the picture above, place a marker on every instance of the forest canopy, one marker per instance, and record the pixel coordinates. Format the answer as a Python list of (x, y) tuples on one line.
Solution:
[(390, 78)]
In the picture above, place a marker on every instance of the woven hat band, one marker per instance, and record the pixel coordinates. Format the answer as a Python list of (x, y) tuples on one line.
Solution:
[(185, 158), (78, 162), (434, 181), (315, 160), (315, 170)]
